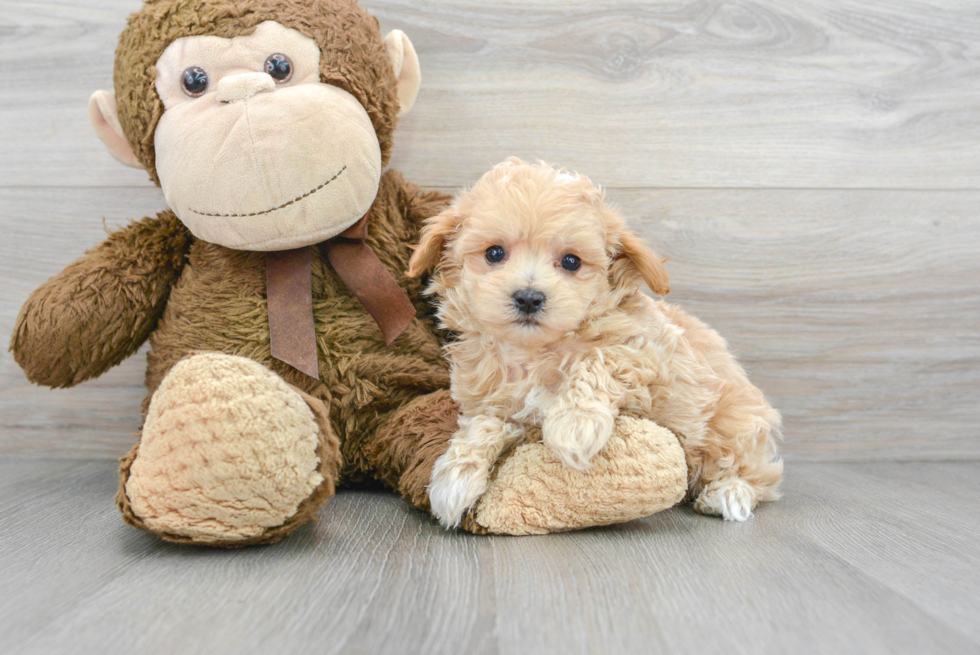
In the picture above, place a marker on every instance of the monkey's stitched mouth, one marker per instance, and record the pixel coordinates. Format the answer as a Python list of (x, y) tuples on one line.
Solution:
[(285, 204)]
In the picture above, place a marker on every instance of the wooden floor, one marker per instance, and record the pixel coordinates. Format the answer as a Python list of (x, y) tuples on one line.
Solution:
[(812, 170), (862, 558)]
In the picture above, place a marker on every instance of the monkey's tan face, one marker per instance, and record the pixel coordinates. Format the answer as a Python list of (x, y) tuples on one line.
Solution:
[(254, 152)]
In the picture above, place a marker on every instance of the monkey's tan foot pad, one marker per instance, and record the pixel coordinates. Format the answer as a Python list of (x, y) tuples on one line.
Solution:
[(230, 455), (641, 471)]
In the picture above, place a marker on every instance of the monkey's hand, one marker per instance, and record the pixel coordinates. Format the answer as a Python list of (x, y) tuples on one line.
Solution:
[(102, 307)]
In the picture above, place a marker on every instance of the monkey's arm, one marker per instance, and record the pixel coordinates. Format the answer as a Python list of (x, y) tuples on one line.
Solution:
[(413, 206), (102, 307), (417, 203)]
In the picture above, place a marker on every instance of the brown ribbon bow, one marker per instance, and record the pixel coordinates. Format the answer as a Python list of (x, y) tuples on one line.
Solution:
[(289, 280)]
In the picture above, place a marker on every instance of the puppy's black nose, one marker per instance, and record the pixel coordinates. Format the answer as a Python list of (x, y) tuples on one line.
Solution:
[(529, 301)]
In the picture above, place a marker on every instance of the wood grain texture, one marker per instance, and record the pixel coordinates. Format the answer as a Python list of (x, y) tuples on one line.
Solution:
[(851, 294), (856, 311), (46, 229), (869, 558), (695, 93)]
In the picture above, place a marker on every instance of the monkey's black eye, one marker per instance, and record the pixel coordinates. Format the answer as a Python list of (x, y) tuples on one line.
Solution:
[(279, 67), (194, 81), (571, 263), (496, 254)]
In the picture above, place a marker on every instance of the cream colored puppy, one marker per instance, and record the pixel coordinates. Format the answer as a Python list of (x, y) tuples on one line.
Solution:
[(543, 284)]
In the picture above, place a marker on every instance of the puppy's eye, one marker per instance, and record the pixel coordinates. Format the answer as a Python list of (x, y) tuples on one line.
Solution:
[(279, 68), (194, 81), (571, 263), (496, 254)]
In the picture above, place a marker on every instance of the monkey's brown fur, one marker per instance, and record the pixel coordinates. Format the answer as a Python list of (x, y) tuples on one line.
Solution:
[(154, 280), (218, 304)]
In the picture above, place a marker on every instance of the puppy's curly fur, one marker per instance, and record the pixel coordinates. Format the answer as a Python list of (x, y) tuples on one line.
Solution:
[(570, 343)]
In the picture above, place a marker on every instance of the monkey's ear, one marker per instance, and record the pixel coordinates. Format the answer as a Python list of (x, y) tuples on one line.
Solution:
[(401, 52), (433, 238), (104, 118)]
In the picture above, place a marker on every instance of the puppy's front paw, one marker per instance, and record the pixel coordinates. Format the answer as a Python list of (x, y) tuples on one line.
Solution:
[(456, 484), (576, 435), (732, 500)]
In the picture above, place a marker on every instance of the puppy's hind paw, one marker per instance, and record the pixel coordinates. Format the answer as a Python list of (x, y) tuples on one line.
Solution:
[(732, 500), (454, 488)]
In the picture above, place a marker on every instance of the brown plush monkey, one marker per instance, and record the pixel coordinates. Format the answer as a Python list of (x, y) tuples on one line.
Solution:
[(290, 354)]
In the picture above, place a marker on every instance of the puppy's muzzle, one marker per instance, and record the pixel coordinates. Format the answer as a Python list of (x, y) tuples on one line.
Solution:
[(529, 301)]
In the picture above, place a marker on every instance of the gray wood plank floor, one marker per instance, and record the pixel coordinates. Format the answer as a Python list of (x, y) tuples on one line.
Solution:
[(863, 558), (811, 169)]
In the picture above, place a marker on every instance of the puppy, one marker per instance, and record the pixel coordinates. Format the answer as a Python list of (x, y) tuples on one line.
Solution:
[(543, 284)]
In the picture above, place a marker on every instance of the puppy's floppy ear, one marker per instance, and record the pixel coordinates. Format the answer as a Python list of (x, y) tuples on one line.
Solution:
[(433, 237), (645, 261)]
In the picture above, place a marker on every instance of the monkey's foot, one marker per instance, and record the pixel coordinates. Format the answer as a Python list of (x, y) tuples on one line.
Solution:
[(640, 471), (230, 455)]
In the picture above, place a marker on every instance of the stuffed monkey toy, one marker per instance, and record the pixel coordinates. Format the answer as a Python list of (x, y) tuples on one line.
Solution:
[(289, 352)]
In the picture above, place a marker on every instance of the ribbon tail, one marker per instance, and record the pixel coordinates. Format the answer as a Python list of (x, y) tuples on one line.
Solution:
[(373, 285), (289, 290)]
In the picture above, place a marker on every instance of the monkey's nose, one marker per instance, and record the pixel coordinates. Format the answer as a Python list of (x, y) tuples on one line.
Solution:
[(529, 301), (243, 86)]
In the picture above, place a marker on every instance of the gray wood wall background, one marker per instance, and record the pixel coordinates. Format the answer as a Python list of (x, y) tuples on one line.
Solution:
[(812, 169)]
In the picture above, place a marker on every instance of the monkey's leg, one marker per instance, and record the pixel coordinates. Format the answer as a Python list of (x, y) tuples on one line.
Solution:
[(230, 455), (410, 440), (642, 470)]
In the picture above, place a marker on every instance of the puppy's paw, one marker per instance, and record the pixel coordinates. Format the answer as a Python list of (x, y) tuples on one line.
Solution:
[(456, 484), (578, 434), (731, 499)]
